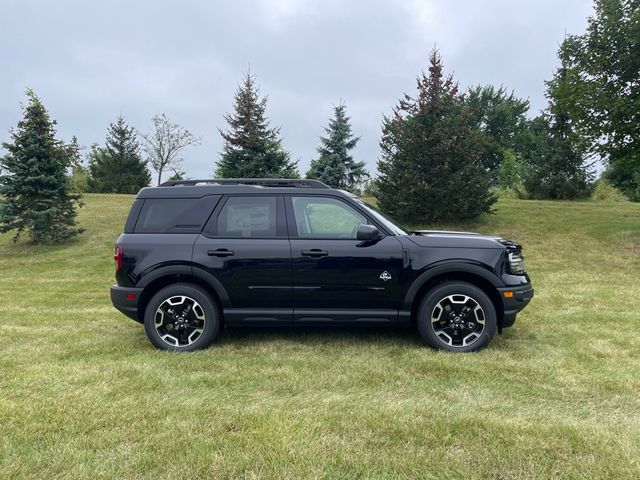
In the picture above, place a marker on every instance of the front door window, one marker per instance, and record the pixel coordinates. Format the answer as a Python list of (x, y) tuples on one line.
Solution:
[(326, 218)]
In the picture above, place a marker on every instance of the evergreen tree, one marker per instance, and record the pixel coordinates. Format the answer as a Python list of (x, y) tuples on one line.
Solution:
[(79, 174), (118, 166), (335, 166), (73, 152), (34, 185), (603, 73), (431, 166), (554, 156), (252, 149)]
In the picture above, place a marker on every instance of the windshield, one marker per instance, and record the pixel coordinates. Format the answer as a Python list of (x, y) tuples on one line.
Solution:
[(382, 218)]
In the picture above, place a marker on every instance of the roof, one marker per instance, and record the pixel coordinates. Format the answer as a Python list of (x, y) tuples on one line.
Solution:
[(200, 188), (265, 182)]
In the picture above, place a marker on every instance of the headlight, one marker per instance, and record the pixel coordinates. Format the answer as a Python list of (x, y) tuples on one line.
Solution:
[(516, 263)]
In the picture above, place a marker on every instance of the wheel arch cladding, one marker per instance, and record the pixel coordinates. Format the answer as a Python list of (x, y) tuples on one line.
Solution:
[(195, 276)]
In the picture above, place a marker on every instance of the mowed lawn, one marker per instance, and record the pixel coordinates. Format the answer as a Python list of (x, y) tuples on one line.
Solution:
[(84, 395)]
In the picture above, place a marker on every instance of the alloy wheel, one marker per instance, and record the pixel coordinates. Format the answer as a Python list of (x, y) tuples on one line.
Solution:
[(458, 320), (179, 321)]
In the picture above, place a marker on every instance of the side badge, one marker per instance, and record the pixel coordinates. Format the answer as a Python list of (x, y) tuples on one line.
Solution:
[(385, 276)]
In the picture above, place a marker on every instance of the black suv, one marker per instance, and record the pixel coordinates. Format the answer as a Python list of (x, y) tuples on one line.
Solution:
[(198, 254)]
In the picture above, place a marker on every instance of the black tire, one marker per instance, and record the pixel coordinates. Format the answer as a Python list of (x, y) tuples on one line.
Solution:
[(201, 321), (451, 329)]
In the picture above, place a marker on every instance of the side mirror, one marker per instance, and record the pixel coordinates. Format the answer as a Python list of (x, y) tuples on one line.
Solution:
[(367, 233)]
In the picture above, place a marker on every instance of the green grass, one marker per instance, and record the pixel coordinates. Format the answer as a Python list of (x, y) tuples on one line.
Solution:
[(84, 395)]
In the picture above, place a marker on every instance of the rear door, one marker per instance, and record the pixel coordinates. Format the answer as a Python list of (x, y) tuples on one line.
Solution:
[(336, 277), (245, 246), (160, 232)]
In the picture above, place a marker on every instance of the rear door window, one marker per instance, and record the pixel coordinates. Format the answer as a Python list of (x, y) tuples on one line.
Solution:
[(248, 217), (175, 215)]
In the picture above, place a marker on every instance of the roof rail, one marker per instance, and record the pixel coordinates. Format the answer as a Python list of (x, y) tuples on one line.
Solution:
[(265, 182)]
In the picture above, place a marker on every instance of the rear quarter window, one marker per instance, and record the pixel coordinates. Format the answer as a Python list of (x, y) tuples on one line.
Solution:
[(175, 215), (133, 216)]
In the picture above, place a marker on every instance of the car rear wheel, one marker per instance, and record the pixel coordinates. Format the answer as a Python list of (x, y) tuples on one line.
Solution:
[(456, 316), (181, 317)]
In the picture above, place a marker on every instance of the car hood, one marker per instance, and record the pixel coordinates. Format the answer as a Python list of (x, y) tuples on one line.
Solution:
[(448, 239)]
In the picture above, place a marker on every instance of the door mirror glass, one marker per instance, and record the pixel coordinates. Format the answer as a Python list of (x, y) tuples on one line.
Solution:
[(367, 233)]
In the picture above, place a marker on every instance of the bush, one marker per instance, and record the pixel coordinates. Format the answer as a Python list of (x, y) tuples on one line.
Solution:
[(605, 192), (508, 193), (79, 179)]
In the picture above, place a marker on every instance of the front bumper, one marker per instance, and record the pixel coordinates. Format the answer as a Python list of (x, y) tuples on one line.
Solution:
[(125, 299), (520, 297)]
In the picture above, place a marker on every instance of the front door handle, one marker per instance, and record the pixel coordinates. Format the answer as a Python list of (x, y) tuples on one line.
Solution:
[(314, 252), (220, 252)]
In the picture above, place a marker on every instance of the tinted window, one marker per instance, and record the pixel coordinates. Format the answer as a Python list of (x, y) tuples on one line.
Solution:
[(253, 217), (133, 216), (175, 215), (318, 217)]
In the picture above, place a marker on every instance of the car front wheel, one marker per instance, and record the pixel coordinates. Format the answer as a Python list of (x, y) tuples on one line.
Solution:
[(456, 316), (181, 317)]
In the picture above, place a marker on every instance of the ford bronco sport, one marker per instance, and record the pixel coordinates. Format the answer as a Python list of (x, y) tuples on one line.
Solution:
[(199, 254)]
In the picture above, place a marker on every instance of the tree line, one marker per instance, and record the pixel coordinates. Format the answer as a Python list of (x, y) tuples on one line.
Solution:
[(445, 152), (251, 149)]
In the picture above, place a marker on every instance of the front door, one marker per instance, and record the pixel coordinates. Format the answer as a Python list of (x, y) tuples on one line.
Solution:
[(245, 246), (337, 278)]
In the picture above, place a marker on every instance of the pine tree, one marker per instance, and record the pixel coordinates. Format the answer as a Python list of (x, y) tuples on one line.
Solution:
[(118, 166), (554, 155), (252, 149), (34, 185), (431, 165), (335, 166)]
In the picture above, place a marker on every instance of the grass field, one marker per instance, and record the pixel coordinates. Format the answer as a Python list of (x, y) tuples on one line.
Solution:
[(84, 395)]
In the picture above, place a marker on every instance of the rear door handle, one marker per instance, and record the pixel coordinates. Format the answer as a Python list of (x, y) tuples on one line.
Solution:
[(314, 252), (220, 252)]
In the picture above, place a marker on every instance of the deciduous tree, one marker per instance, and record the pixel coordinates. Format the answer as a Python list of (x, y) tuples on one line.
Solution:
[(165, 143), (501, 118), (554, 155), (603, 97)]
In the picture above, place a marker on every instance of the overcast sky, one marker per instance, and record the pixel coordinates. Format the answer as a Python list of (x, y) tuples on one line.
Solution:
[(90, 61)]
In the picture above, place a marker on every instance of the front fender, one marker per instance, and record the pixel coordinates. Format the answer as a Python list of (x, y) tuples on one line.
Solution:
[(432, 271)]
